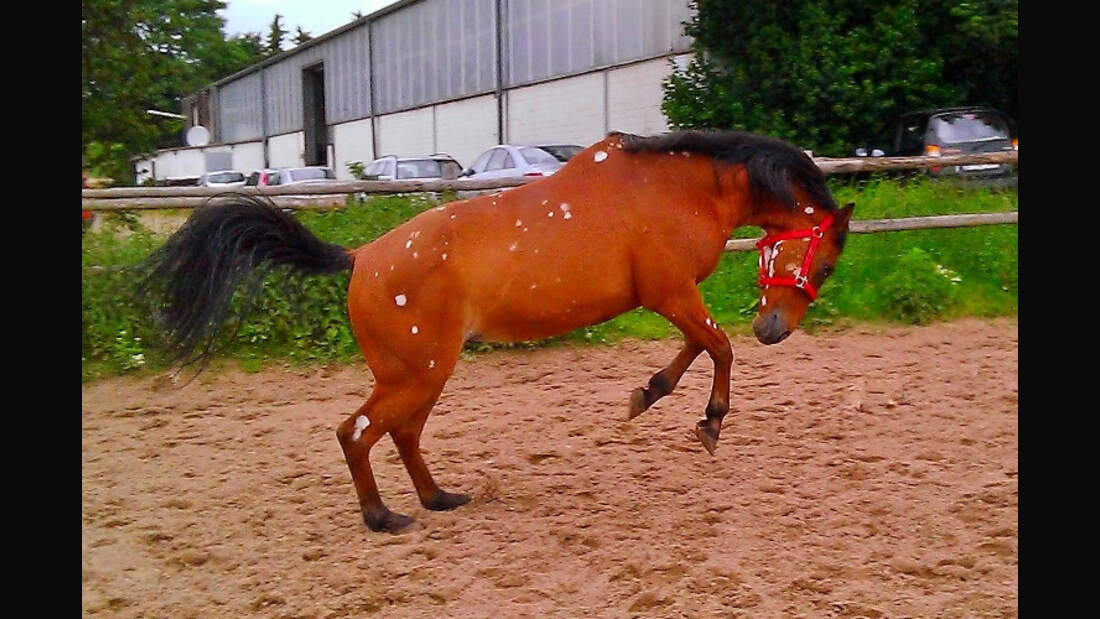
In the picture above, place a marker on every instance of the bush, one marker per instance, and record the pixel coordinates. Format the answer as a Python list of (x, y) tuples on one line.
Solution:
[(918, 290)]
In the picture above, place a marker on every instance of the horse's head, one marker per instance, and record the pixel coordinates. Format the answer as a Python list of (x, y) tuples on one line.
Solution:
[(796, 257)]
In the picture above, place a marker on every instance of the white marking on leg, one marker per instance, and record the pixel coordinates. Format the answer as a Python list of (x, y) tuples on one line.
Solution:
[(361, 423)]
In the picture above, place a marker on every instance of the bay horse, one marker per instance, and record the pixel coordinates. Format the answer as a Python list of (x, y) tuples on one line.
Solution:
[(630, 221)]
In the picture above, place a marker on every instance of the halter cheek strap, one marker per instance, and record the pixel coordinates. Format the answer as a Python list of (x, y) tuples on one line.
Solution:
[(800, 281)]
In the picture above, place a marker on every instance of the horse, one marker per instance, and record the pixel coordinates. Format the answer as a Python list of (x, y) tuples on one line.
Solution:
[(629, 222)]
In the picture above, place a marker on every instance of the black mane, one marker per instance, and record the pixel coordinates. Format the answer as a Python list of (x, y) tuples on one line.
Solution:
[(773, 165)]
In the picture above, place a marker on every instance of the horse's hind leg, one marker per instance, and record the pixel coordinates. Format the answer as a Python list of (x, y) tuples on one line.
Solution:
[(386, 409), (407, 438), (662, 383)]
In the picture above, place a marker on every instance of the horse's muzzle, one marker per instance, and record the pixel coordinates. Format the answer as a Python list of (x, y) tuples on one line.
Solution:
[(770, 328)]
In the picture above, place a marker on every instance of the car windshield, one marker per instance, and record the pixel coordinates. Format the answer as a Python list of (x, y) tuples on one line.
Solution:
[(562, 153), (419, 168), (534, 156), (968, 127), (225, 177), (310, 174)]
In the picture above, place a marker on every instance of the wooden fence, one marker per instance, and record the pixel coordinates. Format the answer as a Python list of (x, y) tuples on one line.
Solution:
[(329, 195), (333, 195)]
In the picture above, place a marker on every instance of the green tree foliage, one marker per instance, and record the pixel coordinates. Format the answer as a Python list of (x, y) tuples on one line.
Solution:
[(830, 75), (301, 36), (276, 35), (138, 55)]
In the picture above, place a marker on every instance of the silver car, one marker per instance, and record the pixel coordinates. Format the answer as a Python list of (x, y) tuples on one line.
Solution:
[(390, 167), (299, 176), (222, 178), (511, 160)]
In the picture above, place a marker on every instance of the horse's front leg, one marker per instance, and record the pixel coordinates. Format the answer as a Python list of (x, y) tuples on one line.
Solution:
[(687, 312)]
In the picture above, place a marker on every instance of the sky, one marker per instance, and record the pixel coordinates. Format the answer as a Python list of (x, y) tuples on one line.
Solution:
[(314, 16)]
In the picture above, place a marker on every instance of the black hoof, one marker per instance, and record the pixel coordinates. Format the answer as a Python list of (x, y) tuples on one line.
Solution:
[(708, 435), (638, 403), (387, 521), (443, 501)]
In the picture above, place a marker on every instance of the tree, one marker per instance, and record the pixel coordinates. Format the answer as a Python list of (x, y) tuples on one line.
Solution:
[(138, 55), (301, 36), (275, 35), (830, 75)]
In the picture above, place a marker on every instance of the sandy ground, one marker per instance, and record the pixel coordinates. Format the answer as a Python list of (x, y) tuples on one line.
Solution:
[(869, 473)]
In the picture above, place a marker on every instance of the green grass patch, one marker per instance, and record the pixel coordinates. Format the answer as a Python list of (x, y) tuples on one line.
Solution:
[(911, 277)]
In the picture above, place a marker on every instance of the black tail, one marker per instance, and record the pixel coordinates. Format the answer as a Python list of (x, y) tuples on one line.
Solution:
[(192, 278)]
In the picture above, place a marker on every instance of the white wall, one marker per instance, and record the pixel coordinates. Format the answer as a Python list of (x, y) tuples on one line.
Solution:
[(634, 96), (180, 163), (407, 134), (566, 111), (286, 151), (248, 157), (465, 129), (353, 142)]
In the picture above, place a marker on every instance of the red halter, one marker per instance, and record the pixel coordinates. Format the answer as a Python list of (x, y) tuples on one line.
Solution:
[(800, 281)]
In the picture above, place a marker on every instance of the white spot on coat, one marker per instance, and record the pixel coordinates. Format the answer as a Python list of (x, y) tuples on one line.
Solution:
[(512, 247), (431, 363), (415, 330), (519, 223), (400, 300), (444, 256), (408, 244), (568, 216), (809, 210), (600, 156), (361, 423), (550, 214), (763, 301)]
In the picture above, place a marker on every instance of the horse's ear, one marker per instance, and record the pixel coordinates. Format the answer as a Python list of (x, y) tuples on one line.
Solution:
[(845, 215)]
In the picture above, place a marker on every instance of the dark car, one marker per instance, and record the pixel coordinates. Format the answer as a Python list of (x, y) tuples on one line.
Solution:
[(951, 131)]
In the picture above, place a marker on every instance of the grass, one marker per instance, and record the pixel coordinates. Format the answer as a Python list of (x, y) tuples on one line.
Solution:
[(910, 277)]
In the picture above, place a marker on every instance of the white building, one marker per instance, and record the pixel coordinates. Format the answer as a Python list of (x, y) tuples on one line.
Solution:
[(455, 76)]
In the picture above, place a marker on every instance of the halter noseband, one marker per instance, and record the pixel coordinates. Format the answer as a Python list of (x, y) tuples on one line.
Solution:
[(801, 280)]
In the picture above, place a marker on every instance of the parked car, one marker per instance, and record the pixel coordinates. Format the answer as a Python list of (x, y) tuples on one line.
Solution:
[(391, 167), (222, 178), (562, 152), (951, 131), (259, 178), (270, 177), (512, 160)]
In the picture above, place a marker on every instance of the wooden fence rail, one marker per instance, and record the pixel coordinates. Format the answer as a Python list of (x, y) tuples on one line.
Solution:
[(331, 194), (870, 226), (858, 226)]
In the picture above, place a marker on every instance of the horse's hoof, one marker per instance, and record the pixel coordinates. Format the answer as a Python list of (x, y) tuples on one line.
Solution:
[(708, 436), (443, 501), (387, 521), (637, 403)]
